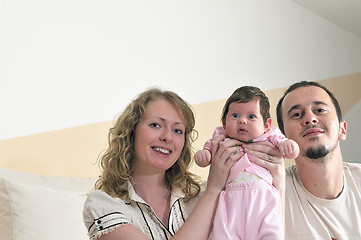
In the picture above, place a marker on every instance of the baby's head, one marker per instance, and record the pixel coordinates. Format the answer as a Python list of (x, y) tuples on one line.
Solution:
[(246, 114)]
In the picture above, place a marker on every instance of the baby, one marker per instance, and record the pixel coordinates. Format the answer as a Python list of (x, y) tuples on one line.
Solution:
[(249, 206)]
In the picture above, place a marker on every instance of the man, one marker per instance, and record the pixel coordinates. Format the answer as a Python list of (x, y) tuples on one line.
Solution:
[(323, 193)]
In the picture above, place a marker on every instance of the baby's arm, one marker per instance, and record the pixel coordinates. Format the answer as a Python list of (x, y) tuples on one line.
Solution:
[(289, 149), (203, 158)]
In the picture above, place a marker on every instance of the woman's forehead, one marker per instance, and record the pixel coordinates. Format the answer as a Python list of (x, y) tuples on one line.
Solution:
[(164, 110)]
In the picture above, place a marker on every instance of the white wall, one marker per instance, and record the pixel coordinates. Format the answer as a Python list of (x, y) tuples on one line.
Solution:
[(351, 147), (72, 62)]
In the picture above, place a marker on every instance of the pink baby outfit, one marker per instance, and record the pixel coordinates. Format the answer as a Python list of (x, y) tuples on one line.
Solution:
[(249, 210)]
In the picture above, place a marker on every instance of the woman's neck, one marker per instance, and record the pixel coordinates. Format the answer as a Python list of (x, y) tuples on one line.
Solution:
[(153, 190), (149, 187)]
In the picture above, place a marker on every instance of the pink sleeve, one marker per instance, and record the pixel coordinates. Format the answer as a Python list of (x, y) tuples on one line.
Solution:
[(276, 136), (218, 131)]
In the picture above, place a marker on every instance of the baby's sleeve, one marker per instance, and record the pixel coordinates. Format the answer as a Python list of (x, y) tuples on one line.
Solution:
[(103, 213), (218, 131), (276, 136)]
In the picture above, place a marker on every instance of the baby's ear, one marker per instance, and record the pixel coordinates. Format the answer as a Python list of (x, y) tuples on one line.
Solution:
[(267, 125), (224, 123)]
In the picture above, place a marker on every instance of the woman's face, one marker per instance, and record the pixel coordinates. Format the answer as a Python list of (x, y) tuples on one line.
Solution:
[(159, 138)]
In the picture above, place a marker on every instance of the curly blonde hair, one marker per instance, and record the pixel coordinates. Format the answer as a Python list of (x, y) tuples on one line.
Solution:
[(116, 161)]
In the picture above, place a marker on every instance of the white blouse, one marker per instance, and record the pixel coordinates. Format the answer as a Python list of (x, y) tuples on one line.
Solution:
[(103, 213)]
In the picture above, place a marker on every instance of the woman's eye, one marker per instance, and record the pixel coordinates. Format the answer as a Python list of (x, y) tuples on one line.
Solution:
[(178, 131), (154, 125)]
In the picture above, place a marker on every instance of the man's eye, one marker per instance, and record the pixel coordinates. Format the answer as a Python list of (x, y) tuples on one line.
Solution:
[(296, 115), (320, 110)]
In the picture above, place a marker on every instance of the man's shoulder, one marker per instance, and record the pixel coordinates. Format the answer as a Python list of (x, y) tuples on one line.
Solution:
[(291, 177), (354, 168), (291, 171)]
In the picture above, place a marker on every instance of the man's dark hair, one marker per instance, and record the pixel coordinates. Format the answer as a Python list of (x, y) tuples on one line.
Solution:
[(305, 84)]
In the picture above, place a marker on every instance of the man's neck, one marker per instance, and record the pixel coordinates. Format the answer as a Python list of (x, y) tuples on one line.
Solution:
[(324, 180)]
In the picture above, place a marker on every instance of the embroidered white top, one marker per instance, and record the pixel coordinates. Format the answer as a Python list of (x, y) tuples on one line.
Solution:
[(102, 213)]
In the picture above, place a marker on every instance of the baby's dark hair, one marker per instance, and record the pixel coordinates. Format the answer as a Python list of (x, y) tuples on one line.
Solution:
[(247, 94)]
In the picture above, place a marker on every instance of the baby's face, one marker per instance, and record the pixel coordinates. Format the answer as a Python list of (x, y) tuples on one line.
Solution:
[(244, 121)]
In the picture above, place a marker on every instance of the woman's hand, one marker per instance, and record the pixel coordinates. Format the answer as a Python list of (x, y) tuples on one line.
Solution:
[(224, 154)]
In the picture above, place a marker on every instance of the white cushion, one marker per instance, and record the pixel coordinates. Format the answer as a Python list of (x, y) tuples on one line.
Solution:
[(59, 183), (42, 207)]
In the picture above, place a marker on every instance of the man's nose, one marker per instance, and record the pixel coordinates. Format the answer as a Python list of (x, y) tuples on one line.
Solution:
[(310, 119)]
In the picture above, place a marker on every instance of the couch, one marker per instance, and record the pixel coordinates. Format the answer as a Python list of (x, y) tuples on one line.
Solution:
[(42, 207)]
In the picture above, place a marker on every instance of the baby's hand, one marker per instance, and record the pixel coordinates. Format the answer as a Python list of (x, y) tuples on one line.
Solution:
[(289, 149), (202, 158)]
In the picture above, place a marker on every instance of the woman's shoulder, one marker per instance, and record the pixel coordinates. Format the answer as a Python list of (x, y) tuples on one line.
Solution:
[(99, 196), (99, 204), (102, 213)]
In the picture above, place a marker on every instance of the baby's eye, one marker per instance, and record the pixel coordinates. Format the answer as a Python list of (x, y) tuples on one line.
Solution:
[(251, 116), (235, 115)]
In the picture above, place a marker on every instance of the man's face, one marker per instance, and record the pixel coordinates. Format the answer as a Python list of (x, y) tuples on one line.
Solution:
[(310, 119)]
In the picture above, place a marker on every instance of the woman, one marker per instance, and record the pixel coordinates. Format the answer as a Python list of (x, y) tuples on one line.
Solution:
[(146, 190)]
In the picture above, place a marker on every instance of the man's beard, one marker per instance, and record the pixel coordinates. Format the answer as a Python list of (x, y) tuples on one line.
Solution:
[(317, 153)]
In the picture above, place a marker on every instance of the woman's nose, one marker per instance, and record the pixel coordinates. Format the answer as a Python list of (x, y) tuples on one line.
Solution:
[(166, 136)]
